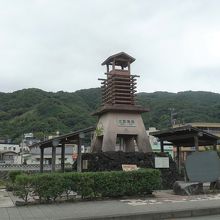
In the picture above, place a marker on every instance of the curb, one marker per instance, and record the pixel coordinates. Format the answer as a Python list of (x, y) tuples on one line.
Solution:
[(155, 215)]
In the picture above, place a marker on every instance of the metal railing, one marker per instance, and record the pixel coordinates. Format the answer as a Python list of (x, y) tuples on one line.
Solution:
[(30, 166)]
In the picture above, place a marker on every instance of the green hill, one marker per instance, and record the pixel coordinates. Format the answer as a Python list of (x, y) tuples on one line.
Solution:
[(34, 110)]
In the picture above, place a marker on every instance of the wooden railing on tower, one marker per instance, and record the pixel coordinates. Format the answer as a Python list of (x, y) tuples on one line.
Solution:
[(118, 89)]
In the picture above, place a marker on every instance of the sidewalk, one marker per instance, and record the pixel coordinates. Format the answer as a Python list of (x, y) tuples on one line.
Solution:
[(162, 205)]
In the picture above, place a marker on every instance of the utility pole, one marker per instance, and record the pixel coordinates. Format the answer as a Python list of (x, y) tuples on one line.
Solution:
[(79, 152), (172, 114)]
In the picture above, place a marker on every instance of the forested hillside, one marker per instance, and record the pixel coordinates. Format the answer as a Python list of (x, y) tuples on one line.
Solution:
[(34, 110)]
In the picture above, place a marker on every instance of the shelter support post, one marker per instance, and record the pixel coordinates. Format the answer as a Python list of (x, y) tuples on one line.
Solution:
[(178, 157), (41, 159), (215, 146), (53, 158), (196, 142), (63, 158), (79, 156), (161, 146)]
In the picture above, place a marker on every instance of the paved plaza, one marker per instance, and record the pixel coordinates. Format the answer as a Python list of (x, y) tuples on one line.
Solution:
[(162, 205)]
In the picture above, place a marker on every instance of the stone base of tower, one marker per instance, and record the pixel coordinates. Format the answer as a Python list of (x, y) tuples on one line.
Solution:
[(120, 131)]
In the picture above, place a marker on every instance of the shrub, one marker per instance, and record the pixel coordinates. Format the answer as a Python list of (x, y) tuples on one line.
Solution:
[(10, 184), (86, 187), (68, 184), (23, 186), (12, 175), (89, 184), (48, 186), (119, 183)]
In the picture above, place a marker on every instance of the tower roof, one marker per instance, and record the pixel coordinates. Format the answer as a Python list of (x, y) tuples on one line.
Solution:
[(121, 59)]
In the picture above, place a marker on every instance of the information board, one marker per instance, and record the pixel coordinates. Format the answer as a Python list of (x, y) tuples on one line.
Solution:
[(162, 162)]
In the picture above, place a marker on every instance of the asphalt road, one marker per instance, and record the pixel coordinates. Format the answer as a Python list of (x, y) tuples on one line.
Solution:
[(210, 217)]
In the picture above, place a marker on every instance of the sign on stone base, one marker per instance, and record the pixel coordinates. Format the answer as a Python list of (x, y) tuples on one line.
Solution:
[(129, 167)]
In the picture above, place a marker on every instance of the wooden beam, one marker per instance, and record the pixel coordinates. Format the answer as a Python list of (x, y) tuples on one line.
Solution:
[(123, 79), (124, 94), (135, 76), (122, 102), (125, 86), (125, 97), (125, 90), (177, 137), (122, 83)]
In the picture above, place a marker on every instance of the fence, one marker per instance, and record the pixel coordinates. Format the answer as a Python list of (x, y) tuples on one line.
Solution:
[(30, 166)]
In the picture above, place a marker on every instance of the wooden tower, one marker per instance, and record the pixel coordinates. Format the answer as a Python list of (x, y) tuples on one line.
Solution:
[(120, 125)]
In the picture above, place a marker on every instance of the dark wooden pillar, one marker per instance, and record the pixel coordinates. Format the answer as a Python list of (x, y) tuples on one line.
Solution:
[(41, 159), (161, 146), (178, 157), (79, 156), (53, 158), (196, 142), (215, 146), (63, 158)]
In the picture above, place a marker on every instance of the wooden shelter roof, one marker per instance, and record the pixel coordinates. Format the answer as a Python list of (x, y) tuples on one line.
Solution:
[(121, 59), (63, 139), (184, 136)]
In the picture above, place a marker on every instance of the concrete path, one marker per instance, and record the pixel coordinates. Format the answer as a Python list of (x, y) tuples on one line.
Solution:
[(5, 199), (163, 205)]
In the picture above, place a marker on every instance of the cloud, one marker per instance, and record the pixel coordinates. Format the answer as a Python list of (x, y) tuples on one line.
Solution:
[(59, 45)]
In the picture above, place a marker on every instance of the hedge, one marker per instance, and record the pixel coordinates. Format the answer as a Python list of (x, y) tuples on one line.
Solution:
[(48, 187), (12, 175)]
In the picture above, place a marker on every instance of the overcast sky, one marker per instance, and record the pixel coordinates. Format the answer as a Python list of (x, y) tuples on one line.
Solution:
[(60, 44)]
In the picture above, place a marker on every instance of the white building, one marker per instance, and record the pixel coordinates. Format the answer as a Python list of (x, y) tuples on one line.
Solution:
[(10, 153)]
